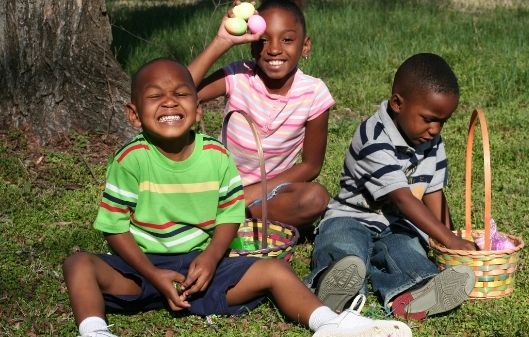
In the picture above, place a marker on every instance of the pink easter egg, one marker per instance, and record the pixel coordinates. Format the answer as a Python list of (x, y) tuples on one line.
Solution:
[(257, 24)]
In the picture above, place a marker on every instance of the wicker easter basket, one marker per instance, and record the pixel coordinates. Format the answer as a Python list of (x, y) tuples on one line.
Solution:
[(261, 237), (494, 269)]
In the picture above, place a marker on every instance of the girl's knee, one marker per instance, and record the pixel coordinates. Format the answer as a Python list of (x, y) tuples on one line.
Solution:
[(316, 197)]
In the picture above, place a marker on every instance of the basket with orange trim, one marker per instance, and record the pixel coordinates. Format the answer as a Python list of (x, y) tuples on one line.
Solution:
[(494, 269)]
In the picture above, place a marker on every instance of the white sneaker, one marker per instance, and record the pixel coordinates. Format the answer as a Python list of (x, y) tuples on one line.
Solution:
[(99, 333), (351, 324)]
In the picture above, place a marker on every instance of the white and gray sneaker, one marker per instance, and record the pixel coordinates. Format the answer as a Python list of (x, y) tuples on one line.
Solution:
[(99, 333), (351, 324), (341, 282), (443, 292)]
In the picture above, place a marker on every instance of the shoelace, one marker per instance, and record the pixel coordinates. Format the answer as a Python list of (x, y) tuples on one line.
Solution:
[(357, 304)]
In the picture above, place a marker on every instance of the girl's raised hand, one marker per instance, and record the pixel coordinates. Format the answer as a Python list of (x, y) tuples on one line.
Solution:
[(235, 30)]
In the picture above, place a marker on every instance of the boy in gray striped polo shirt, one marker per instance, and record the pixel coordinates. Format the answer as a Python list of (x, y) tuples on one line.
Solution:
[(391, 200)]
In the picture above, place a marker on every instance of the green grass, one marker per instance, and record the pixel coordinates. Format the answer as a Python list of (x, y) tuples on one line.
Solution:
[(48, 204)]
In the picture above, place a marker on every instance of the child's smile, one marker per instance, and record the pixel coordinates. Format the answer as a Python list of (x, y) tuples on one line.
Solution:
[(276, 63), (170, 119), (165, 106), (278, 51)]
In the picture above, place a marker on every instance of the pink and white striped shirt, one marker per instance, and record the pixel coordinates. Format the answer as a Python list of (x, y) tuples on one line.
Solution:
[(280, 119)]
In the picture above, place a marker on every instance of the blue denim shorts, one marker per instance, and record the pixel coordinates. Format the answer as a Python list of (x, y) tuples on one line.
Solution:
[(212, 301)]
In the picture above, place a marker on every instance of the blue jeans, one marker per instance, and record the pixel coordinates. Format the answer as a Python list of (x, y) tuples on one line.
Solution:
[(395, 259)]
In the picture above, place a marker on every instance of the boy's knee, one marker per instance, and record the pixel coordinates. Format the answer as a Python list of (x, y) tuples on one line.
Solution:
[(75, 261), (280, 267)]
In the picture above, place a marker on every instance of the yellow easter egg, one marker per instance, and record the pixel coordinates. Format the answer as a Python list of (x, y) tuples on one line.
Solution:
[(235, 26), (244, 10)]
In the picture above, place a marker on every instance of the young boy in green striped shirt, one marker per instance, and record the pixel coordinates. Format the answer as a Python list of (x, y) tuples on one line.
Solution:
[(172, 204)]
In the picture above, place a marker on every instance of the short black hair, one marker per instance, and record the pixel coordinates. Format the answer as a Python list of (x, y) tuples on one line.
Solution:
[(292, 6), (134, 80), (425, 72)]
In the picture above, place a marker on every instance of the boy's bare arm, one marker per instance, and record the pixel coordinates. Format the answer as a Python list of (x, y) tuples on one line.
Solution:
[(127, 248), (420, 215), (436, 202), (202, 269)]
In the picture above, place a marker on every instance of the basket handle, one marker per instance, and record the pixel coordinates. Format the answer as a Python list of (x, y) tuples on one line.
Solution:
[(224, 135), (478, 114)]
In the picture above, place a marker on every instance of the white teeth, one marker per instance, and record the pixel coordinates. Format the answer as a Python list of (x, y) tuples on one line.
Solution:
[(276, 62), (170, 118)]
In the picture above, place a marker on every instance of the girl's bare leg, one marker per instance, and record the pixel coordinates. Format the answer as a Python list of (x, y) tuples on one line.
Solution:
[(296, 204)]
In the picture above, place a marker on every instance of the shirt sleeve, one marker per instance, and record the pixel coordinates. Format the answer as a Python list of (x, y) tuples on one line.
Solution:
[(119, 199), (231, 71), (323, 101), (231, 207)]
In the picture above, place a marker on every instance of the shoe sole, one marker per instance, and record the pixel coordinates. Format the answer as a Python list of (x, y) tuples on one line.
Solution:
[(444, 292), (379, 329), (341, 281)]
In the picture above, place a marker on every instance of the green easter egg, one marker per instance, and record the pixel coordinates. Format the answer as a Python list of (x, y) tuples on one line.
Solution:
[(244, 10), (235, 26)]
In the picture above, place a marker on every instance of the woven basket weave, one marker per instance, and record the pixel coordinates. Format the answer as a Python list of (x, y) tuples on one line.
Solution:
[(494, 269), (261, 237)]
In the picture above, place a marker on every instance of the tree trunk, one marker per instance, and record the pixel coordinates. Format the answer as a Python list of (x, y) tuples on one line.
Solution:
[(57, 72)]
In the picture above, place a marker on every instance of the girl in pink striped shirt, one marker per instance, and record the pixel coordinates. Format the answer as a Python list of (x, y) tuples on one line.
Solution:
[(289, 108)]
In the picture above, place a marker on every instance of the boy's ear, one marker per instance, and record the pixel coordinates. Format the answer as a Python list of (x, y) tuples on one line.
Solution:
[(199, 113), (132, 115), (395, 102), (307, 46)]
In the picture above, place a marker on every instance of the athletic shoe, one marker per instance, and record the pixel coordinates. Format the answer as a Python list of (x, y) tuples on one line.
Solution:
[(351, 324), (443, 292), (99, 333), (341, 282)]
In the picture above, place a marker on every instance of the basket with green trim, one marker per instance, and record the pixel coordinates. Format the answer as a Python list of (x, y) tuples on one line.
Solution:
[(261, 237)]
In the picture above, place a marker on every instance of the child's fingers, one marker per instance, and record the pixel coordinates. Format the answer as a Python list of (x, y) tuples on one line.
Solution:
[(200, 284), (191, 278), (178, 277), (179, 304)]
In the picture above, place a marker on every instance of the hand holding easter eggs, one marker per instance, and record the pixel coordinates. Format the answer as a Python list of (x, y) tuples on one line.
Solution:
[(243, 12)]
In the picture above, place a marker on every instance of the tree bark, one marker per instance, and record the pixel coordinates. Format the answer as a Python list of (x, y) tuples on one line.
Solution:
[(57, 71)]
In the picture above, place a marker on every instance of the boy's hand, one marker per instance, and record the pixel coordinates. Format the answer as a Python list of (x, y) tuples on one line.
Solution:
[(461, 244), (200, 273), (165, 283)]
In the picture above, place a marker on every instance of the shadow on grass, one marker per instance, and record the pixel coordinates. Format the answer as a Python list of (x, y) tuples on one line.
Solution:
[(133, 27)]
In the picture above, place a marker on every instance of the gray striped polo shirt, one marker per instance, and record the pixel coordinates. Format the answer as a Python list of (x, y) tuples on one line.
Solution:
[(379, 161)]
